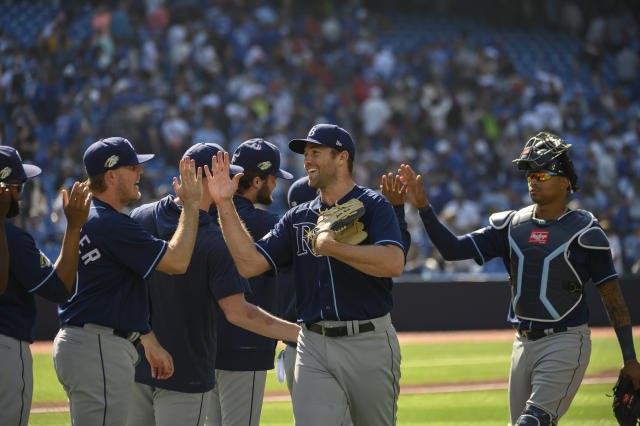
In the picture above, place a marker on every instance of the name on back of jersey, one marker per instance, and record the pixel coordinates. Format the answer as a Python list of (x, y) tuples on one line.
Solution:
[(89, 254)]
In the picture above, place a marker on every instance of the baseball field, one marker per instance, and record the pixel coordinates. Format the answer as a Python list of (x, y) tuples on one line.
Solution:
[(457, 378)]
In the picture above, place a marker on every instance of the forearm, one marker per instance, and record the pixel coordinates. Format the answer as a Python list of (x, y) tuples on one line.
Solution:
[(375, 260), (258, 321), (618, 316), (180, 248), (66, 265), (450, 245), (241, 246), (4, 258), (149, 340)]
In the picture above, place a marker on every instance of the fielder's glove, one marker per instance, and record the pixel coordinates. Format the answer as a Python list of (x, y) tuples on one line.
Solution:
[(626, 402), (342, 220)]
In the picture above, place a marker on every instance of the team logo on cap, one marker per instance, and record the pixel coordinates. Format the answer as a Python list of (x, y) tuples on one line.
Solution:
[(111, 161), (264, 165), (312, 131), (5, 172), (338, 143)]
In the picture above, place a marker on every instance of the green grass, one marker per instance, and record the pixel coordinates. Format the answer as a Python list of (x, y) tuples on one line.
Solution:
[(421, 363)]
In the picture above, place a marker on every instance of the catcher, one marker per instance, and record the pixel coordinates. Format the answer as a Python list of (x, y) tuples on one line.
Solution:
[(348, 352)]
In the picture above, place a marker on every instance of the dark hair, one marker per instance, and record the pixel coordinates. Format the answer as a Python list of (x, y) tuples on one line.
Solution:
[(247, 178), (96, 183), (334, 154)]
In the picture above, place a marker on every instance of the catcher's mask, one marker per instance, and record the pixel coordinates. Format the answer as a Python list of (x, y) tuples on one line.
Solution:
[(546, 151)]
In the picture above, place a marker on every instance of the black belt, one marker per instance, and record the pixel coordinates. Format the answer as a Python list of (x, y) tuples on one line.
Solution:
[(132, 336), (538, 334), (339, 331)]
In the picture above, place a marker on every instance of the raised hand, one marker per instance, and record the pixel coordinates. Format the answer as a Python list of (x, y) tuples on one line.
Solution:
[(393, 189), (415, 191), (76, 205), (189, 189), (221, 186), (5, 200)]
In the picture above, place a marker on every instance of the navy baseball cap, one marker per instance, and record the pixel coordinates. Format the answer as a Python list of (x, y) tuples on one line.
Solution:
[(258, 155), (327, 135), (12, 167), (202, 152), (300, 192), (111, 153)]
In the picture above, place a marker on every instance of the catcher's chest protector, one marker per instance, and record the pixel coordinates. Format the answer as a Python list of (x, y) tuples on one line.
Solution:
[(544, 284)]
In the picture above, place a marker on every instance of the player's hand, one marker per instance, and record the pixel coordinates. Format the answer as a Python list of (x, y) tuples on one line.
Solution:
[(221, 186), (415, 191), (189, 189), (324, 240), (631, 369), (76, 205), (159, 359), (5, 200), (393, 189)]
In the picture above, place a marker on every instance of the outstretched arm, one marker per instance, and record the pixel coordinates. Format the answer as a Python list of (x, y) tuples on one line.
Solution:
[(241, 246), (180, 248), (251, 317), (76, 208), (393, 189), (620, 320), (5, 203)]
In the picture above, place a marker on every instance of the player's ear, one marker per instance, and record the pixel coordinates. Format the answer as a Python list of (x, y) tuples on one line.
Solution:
[(256, 182)]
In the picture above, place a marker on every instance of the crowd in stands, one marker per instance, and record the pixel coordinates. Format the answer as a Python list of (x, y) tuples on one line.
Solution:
[(456, 106)]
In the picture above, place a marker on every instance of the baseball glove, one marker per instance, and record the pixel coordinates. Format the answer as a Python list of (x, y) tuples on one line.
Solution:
[(342, 220), (626, 402)]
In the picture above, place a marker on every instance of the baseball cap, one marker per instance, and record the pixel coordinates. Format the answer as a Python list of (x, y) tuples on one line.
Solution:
[(259, 155), (12, 167), (202, 152), (327, 135), (111, 153), (300, 192)]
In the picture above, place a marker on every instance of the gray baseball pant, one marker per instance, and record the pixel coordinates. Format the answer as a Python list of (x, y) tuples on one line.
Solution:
[(360, 371), (161, 407), (236, 399), (16, 381), (96, 370), (547, 372)]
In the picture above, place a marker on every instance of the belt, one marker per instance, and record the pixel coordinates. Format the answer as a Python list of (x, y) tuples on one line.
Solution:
[(540, 333), (132, 336), (339, 331)]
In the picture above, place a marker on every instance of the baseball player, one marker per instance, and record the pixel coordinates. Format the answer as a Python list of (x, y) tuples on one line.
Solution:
[(29, 271), (348, 353), (94, 352), (243, 357), (551, 252), (184, 310)]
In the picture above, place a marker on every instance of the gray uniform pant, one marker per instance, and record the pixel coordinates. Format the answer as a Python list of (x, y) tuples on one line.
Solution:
[(547, 372), (236, 400), (96, 370), (16, 381), (360, 371), (161, 407)]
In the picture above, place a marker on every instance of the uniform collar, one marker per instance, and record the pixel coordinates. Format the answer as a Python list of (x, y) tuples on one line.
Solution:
[(170, 203), (317, 203), (238, 200)]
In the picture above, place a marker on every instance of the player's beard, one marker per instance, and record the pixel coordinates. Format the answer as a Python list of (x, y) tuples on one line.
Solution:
[(264, 195), (14, 208)]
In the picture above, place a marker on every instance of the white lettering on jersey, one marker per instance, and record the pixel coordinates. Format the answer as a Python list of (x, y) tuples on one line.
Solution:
[(302, 229), (90, 256)]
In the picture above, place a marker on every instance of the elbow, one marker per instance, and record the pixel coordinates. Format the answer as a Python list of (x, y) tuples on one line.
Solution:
[(396, 269), (245, 272)]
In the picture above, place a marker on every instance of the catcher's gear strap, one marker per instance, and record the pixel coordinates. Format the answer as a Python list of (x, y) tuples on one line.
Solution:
[(501, 219), (594, 238), (534, 416)]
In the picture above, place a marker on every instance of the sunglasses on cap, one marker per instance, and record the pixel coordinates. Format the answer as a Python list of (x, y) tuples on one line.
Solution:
[(540, 176), (19, 186)]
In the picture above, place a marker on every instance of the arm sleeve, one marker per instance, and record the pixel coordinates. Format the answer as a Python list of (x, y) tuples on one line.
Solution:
[(275, 246), (601, 267), (224, 279), (382, 224), (406, 236)]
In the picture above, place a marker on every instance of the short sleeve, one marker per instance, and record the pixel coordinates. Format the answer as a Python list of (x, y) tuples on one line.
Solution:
[(382, 224), (601, 266), (275, 246), (224, 279)]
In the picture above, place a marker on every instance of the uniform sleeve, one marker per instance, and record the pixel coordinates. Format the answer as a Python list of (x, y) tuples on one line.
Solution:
[(275, 246), (224, 279), (406, 236), (382, 224), (128, 242), (34, 271)]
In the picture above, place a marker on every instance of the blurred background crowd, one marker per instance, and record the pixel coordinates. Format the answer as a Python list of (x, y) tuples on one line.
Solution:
[(448, 86)]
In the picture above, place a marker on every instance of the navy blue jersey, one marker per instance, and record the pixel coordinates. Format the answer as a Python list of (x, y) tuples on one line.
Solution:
[(184, 307), (29, 272), (240, 349), (327, 289), (116, 255)]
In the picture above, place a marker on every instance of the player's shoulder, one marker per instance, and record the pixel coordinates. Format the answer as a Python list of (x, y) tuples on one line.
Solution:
[(368, 196), (593, 237), (17, 236)]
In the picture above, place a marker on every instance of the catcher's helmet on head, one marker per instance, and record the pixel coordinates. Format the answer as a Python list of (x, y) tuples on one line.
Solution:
[(546, 151)]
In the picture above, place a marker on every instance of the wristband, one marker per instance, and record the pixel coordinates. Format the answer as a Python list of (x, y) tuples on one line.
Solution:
[(625, 338)]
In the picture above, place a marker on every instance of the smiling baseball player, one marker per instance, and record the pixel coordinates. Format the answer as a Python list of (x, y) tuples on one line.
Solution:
[(29, 272), (94, 352), (343, 290), (551, 252)]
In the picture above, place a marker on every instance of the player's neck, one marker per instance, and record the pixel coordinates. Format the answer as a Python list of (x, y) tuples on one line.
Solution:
[(550, 211), (334, 192), (107, 198)]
